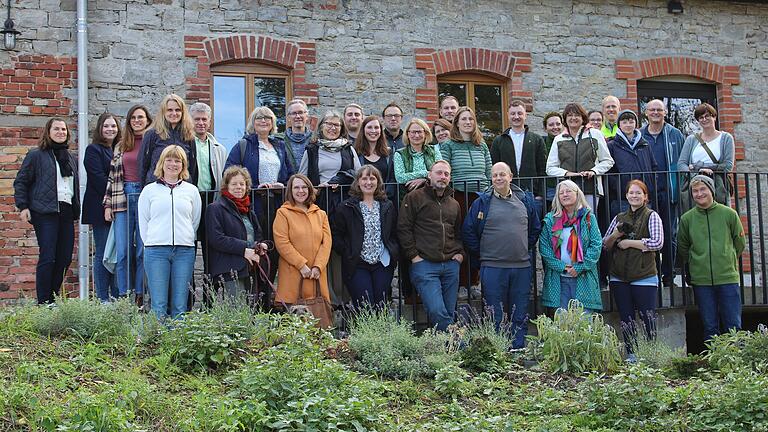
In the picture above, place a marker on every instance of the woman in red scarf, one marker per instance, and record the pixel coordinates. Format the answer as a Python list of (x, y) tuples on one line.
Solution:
[(570, 245), (234, 234)]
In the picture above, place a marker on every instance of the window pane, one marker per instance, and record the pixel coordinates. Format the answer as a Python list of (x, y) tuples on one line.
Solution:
[(489, 111), (459, 91), (229, 115), (270, 92)]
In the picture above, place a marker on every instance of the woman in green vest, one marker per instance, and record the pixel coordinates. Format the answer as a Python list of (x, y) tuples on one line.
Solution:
[(633, 238), (413, 161)]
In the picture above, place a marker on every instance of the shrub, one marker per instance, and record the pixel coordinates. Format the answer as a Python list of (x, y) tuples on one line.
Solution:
[(385, 347), (481, 355), (686, 367), (657, 350), (574, 342), (212, 338), (736, 403), (740, 349), (452, 381)]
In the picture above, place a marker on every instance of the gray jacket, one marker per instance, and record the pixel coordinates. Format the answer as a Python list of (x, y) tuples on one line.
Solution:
[(218, 158), (727, 150)]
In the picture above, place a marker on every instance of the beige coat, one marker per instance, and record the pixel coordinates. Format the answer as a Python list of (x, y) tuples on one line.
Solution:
[(302, 238)]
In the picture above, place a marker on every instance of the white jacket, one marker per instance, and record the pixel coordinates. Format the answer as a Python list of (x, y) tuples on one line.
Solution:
[(169, 216)]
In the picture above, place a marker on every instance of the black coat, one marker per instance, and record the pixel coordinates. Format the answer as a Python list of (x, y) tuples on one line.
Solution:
[(96, 162), (348, 230), (35, 184), (226, 236)]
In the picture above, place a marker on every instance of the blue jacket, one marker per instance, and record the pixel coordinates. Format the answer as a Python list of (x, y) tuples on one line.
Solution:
[(152, 147), (97, 162), (227, 239), (629, 160), (472, 230), (251, 163), (673, 139)]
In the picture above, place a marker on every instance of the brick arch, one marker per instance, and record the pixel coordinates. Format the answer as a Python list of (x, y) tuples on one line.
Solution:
[(289, 55), (508, 66), (724, 78)]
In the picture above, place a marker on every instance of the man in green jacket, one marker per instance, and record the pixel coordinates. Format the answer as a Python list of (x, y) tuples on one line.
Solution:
[(710, 239)]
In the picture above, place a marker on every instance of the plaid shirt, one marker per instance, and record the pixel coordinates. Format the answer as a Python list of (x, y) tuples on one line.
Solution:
[(114, 197), (655, 229)]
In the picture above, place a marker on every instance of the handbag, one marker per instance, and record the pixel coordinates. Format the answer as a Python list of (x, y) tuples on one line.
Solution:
[(110, 251), (318, 306)]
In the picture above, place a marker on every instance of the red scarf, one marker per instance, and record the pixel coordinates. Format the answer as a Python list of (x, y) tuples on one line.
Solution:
[(243, 204)]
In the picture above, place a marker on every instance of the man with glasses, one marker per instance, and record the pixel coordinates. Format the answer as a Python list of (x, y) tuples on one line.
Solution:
[(665, 141), (393, 118), (353, 118), (298, 133)]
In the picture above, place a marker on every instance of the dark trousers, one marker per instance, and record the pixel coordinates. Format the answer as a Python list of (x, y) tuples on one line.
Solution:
[(668, 212), (631, 299), (370, 283), (56, 239)]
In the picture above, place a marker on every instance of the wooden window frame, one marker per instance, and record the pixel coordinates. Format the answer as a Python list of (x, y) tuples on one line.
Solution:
[(469, 79)]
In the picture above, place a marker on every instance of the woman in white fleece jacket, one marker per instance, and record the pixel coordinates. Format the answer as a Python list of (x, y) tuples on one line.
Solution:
[(169, 213)]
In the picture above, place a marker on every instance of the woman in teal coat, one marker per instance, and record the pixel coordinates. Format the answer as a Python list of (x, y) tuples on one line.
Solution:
[(570, 245)]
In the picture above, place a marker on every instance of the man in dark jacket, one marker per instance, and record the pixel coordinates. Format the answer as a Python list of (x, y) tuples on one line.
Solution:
[(524, 152), (500, 233), (429, 227)]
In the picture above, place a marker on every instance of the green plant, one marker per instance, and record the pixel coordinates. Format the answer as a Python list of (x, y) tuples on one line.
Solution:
[(452, 381), (481, 355), (386, 347), (575, 342), (686, 367), (736, 403), (738, 349), (656, 349)]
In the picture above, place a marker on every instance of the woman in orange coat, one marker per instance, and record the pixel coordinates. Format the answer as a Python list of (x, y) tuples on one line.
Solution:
[(303, 238)]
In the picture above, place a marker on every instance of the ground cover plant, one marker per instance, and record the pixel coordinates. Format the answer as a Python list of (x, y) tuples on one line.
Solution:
[(84, 366)]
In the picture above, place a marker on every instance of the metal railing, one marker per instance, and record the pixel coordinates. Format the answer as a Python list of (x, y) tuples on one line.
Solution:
[(748, 198)]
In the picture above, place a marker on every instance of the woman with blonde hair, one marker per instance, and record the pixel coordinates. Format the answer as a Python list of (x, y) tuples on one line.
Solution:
[(121, 202), (570, 244), (169, 214), (172, 125), (414, 160), (302, 237)]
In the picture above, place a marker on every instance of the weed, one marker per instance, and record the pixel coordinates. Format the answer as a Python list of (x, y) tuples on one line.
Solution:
[(739, 349)]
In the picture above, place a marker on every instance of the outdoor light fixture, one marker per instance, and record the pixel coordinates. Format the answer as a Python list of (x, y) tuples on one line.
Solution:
[(9, 33), (674, 7)]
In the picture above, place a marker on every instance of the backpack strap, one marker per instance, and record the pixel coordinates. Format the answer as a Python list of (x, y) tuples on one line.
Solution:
[(242, 144), (706, 148)]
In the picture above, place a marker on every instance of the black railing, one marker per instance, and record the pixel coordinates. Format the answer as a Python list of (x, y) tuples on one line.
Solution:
[(748, 197)]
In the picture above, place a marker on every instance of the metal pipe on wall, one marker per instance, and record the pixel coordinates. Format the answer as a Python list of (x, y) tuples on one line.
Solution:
[(83, 249)]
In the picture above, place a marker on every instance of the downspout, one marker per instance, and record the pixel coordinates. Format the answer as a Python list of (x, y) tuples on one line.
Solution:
[(83, 254)]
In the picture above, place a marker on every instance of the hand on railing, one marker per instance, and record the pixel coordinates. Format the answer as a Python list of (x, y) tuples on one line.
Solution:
[(275, 185)]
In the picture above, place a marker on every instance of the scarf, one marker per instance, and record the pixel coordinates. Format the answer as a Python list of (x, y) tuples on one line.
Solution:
[(333, 146), (574, 246), (243, 205), (61, 152)]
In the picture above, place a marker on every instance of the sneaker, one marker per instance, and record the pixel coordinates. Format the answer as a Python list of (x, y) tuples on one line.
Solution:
[(475, 293), (631, 358), (463, 294), (140, 300)]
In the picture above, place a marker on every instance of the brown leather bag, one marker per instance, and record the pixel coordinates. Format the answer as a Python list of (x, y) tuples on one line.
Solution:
[(318, 306)]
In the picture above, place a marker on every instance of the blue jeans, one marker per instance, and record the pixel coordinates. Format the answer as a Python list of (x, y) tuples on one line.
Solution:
[(370, 283), (720, 308), (55, 234), (437, 284), (507, 291), (169, 273), (103, 280), (568, 293), (129, 271), (631, 299)]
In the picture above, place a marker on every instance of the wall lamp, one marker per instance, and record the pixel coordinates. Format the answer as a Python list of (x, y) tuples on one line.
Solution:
[(9, 32), (674, 7)]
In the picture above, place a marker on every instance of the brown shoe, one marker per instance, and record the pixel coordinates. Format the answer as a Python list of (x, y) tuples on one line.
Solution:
[(140, 300)]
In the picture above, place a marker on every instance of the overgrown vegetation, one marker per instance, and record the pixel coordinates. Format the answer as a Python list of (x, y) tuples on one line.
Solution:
[(84, 366)]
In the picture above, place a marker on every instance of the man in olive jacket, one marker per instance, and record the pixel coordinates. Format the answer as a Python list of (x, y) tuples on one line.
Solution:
[(429, 227), (710, 239)]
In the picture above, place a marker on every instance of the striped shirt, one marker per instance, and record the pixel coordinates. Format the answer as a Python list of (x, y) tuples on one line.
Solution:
[(470, 165)]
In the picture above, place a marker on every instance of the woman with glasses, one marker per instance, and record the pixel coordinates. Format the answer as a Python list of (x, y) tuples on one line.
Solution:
[(709, 152), (415, 159), (595, 119), (330, 161)]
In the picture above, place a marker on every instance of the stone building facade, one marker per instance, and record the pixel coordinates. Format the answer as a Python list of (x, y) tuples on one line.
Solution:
[(334, 52)]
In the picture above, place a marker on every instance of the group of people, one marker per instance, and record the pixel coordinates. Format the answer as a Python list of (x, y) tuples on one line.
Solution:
[(348, 202)]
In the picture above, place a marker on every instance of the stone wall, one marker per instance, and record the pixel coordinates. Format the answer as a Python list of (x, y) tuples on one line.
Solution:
[(372, 53)]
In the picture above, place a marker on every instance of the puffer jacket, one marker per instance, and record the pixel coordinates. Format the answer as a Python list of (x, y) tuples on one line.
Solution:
[(35, 184)]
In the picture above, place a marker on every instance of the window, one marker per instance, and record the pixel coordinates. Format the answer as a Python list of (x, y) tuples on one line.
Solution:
[(485, 95), (238, 89), (681, 98)]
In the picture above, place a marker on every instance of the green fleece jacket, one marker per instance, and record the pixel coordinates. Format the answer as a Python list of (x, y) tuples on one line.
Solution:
[(710, 241)]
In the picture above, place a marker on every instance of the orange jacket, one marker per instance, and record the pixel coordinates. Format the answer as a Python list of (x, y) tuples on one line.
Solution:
[(302, 238)]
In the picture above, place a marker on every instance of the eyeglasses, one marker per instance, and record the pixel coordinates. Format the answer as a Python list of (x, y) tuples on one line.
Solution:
[(262, 118), (393, 116), (705, 117), (415, 132), (655, 110), (297, 113), (330, 125)]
